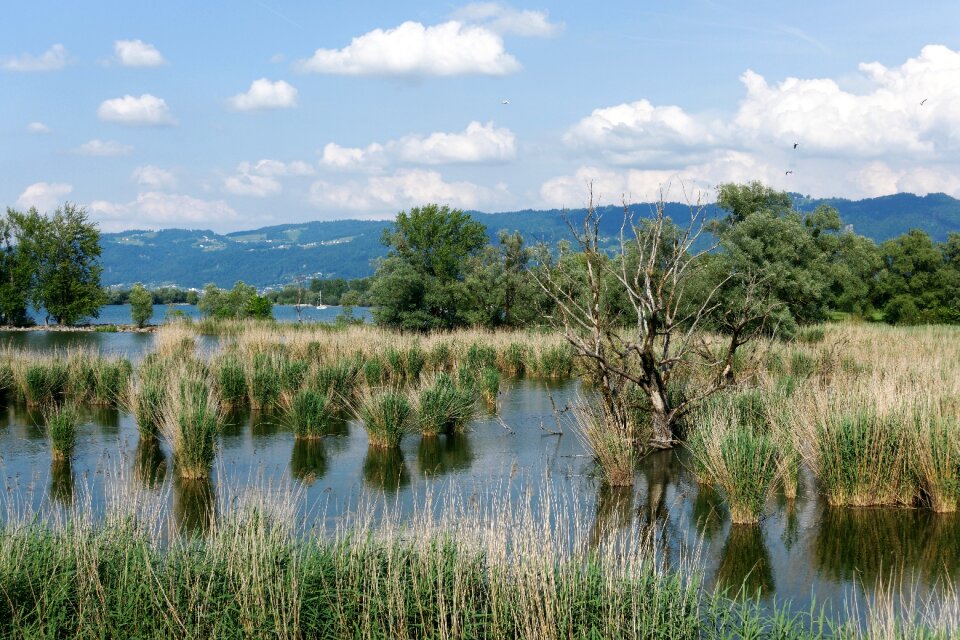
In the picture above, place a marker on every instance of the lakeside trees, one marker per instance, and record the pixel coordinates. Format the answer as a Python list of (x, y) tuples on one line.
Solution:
[(51, 263)]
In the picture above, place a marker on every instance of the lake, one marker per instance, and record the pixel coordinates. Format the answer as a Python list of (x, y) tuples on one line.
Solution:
[(802, 549), (120, 313)]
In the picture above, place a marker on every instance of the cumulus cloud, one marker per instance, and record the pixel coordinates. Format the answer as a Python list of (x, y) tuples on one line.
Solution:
[(502, 18), (407, 187), (154, 178), (264, 94), (477, 143), (52, 59), (147, 110), (155, 209), (38, 127), (898, 131), (412, 49), (259, 179), (108, 148), (693, 183), (45, 196), (137, 53)]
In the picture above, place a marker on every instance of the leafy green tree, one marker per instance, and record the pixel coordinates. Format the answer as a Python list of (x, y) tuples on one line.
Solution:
[(916, 282), (419, 285), (141, 305), (742, 200), (240, 302), (15, 274), (64, 251)]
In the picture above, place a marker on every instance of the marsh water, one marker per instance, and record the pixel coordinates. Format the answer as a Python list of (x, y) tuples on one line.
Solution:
[(120, 313), (802, 550)]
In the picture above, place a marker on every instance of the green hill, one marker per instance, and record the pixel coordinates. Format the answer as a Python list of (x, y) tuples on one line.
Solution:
[(348, 248)]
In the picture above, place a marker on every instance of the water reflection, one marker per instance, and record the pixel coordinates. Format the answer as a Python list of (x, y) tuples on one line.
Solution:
[(149, 463), (234, 422), (709, 512), (745, 563), (872, 544), (308, 461), (614, 511), (61, 482), (106, 419), (443, 454), (194, 505), (384, 468), (266, 423)]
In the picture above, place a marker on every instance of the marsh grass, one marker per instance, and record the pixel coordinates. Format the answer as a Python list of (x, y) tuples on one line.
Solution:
[(613, 449), (387, 415), (936, 457), (489, 384), (441, 407), (62, 421), (741, 460), (310, 413), (231, 381), (42, 381), (191, 419), (265, 380), (145, 396)]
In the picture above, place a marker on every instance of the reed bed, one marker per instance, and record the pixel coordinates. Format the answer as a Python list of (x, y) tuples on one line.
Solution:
[(387, 415), (191, 419), (61, 422), (440, 406)]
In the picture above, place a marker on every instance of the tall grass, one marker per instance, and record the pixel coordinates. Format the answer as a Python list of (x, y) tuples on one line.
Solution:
[(310, 413), (614, 449), (387, 416), (145, 396), (739, 459), (191, 420), (442, 407), (936, 456), (62, 421)]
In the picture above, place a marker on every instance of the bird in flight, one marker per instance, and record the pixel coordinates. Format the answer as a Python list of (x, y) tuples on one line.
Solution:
[(504, 102), (786, 173), (796, 144), (922, 101)]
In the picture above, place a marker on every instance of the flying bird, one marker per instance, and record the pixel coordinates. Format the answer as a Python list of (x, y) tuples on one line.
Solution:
[(504, 102), (922, 101), (796, 144), (786, 173)]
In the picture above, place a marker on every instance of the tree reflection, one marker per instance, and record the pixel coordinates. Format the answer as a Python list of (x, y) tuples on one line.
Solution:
[(443, 454), (61, 481), (385, 468), (709, 512), (308, 460), (614, 511), (194, 505), (149, 463), (745, 566)]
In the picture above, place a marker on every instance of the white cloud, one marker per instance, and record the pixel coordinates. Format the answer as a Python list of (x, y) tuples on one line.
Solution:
[(147, 110), (154, 178), (154, 210), (264, 94), (694, 182), (502, 18), (405, 188), (477, 143), (879, 179), (102, 148), (412, 49), (52, 59), (259, 179), (38, 127), (137, 53), (45, 196), (248, 184)]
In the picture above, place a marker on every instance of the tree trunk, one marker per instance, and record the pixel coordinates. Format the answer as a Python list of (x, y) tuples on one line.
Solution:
[(662, 435)]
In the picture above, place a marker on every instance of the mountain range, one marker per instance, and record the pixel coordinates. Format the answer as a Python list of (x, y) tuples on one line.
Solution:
[(276, 255)]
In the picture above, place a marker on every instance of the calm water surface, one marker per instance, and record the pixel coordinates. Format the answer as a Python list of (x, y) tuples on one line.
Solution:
[(802, 549)]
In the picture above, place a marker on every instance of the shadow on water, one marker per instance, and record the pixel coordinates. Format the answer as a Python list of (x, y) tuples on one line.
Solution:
[(149, 463), (872, 544), (61, 482), (745, 567), (384, 468), (266, 423), (194, 505), (308, 460), (613, 512), (105, 419), (709, 512), (234, 422), (444, 454), (338, 435)]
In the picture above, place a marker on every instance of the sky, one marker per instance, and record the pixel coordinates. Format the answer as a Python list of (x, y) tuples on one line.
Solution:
[(234, 115)]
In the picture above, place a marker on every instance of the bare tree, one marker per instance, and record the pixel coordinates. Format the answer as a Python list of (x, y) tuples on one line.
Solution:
[(670, 304), (301, 292)]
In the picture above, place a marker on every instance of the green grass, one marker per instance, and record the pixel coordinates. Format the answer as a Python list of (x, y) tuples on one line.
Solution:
[(44, 382), (442, 407), (62, 422), (231, 381), (146, 394), (387, 416), (310, 413), (191, 420), (489, 385)]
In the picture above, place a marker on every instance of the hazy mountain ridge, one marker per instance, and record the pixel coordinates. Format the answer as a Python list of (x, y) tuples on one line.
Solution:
[(348, 248)]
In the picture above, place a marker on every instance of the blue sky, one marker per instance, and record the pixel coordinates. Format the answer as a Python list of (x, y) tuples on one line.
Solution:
[(231, 115)]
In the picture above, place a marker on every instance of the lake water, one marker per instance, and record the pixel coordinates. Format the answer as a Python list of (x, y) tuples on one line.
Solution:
[(802, 549), (120, 313)]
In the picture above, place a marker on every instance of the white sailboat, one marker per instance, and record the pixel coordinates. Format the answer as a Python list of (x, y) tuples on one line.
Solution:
[(320, 304)]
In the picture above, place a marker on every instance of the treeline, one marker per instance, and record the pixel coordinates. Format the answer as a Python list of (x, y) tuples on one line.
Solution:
[(331, 291), (50, 263), (441, 272), (160, 295)]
